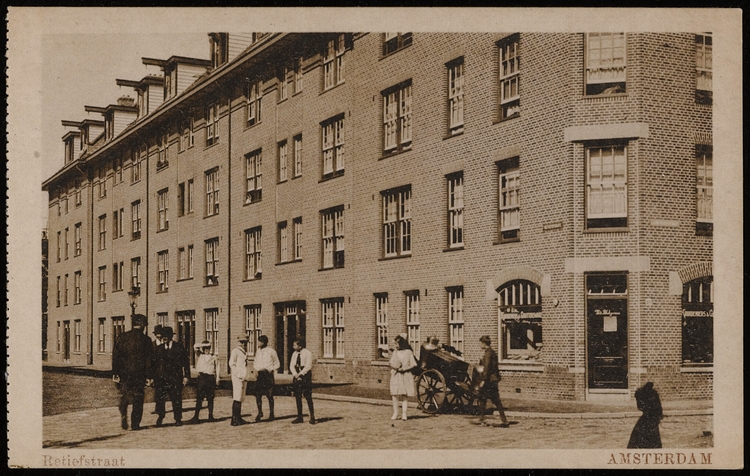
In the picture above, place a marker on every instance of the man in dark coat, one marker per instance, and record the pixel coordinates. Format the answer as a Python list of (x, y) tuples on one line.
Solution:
[(131, 368), (171, 373), (489, 377)]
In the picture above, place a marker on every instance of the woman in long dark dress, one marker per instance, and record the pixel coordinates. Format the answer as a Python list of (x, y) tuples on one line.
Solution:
[(646, 431)]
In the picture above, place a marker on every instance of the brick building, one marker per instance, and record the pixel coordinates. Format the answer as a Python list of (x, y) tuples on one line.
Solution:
[(552, 190)]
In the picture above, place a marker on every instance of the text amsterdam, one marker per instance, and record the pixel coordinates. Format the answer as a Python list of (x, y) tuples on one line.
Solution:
[(630, 458)]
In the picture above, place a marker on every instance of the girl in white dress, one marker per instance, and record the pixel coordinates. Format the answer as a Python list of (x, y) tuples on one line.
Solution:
[(402, 380)]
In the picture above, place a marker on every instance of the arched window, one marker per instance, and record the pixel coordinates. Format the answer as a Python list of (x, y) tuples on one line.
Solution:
[(520, 313), (698, 321)]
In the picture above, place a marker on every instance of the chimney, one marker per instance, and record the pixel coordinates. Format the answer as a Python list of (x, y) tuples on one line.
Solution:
[(125, 101)]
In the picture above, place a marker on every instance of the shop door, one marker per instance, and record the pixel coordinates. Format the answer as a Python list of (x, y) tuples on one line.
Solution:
[(66, 340), (607, 344), (290, 325)]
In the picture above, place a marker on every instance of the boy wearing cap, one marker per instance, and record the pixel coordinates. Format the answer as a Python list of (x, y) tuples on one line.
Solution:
[(207, 366), (238, 366), (490, 376)]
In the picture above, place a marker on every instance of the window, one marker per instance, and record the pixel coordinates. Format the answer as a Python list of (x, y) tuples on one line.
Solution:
[(282, 161), (161, 154), (253, 162), (135, 212), (333, 62), (283, 90), (181, 199), (77, 239), (77, 288), (118, 170), (605, 63), (212, 262), (509, 77), (117, 272), (290, 240), (189, 199), (102, 181), (412, 321), (102, 347), (252, 253), (393, 42), (456, 96), (397, 222), (66, 243), (456, 317), (333, 328), (283, 242), (212, 329), (333, 237), (136, 168), (704, 190), (704, 67), (212, 192), (698, 321), (65, 288), (77, 192), (118, 327), (191, 133), (182, 254), (219, 49), (253, 327), (184, 137), (118, 217), (58, 292), (135, 271), (58, 340), (297, 80), (186, 331), (65, 204), (606, 187), (102, 283), (298, 155), (254, 102), (333, 147), (520, 307), (397, 118), (212, 124), (58, 245), (297, 230), (77, 335), (163, 271), (102, 232), (509, 211), (381, 324), (456, 210), (162, 202)]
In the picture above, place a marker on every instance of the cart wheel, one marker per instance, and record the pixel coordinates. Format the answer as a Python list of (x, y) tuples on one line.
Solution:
[(431, 391), (460, 397)]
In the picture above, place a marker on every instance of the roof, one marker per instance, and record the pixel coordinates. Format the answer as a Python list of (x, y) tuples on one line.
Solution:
[(176, 60)]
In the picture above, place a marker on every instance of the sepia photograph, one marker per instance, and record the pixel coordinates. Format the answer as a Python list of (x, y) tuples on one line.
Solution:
[(336, 244)]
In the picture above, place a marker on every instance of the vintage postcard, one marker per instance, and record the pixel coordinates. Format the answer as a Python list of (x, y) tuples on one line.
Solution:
[(374, 238)]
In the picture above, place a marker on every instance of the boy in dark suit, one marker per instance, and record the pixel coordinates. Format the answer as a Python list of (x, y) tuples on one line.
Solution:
[(171, 373)]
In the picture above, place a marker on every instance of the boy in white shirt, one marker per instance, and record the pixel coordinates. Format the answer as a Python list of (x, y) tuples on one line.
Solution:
[(266, 363), (207, 366)]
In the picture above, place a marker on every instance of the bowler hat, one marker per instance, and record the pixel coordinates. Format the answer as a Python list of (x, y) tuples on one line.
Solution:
[(139, 320), (158, 329), (485, 340), (167, 332)]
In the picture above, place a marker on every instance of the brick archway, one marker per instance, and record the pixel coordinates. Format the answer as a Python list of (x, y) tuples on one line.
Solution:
[(696, 270), (522, 272)]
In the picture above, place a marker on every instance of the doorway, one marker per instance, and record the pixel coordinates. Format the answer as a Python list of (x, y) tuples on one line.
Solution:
[(607, 332), (290, 325)]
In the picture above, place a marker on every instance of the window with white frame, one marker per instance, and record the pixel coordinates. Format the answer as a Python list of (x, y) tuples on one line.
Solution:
[(66, 244), (704, 190), (102, 233), (59, 245), (117, 276), (254, 176), (606, 186), (397, 118), (381, 324), (212, 192), (77, 288), (219, 49), (704, 67), (191, 132), (332, 227), (64, 201), (136, 169), (508, 206), (77, 239), (118, 169), (397, 222), (333, 327), (393, 42), (163, 271), (605, 63), (297, 231), (412, 321), (135, 271), (135, 212), (102, 296), (456, 317), (455, 96), (181, 199), (162, 203), (58, 301), (455, 210), (254, 101), (333, 62), (190, 261), (253, 328), (333, 147), (77, 335), (118, 219), (102, 342), (212, 329), (118, 328), (182, 255), (58, 340), (253, 244), (698, 321), (102, 181), (520, 311), (298, 79), (509, 77), (212, 124), (162, 319), (189, 193), (186, 331), (161, 154), (212, 262), (284, 239), (283, 89), (77, 193), (283, 161), (298, 155), (65, 288)]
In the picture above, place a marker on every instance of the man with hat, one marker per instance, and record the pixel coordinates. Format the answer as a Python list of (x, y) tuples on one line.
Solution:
[(301, 369), (171, 371), (489, 376), (207, 366), (238, 367), (131, 369), (266, 363), (157, 335)]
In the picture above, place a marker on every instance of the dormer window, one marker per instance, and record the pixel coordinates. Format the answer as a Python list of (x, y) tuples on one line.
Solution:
[(84, 137), (142, 102), (69, 152), (219, 49), (109, 127), (170, 83)]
